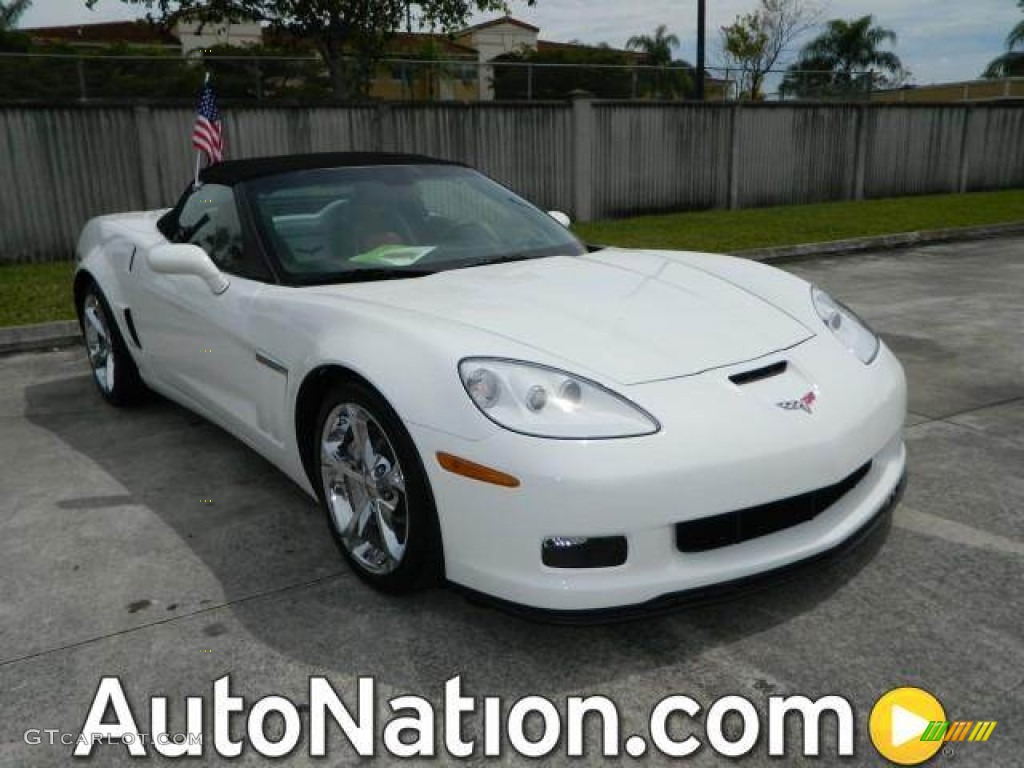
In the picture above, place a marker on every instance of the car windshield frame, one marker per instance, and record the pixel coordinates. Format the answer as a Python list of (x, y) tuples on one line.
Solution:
[(253, 194)]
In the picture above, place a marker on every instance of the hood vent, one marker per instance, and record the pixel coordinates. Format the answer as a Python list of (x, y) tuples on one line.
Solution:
[(750, 377)]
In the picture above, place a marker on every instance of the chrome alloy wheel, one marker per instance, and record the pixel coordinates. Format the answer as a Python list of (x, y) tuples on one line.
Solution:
[(364, 488), (98, 342)]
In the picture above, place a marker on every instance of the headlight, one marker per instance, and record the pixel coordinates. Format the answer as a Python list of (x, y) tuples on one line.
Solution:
[(545, 402), (852, 332)]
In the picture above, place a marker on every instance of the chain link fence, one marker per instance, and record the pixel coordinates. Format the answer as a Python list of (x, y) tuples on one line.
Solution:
[(58, 78)]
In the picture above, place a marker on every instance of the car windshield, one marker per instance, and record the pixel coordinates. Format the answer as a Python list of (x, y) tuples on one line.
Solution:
[(367, 223)]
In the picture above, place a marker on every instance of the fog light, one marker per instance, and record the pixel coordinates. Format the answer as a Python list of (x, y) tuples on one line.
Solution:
[(580, 552)]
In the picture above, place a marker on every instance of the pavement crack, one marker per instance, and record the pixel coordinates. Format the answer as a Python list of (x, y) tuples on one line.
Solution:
[(171, 619), (958, 414)]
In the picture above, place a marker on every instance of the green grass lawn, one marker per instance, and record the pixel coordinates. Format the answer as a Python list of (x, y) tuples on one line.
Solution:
[(36, 293), (727, 231)]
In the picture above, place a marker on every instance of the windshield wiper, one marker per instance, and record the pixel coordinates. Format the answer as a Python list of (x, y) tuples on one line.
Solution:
[(508, 258), (375, 273)]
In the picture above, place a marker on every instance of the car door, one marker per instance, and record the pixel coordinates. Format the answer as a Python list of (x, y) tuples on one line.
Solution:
[(199, 344)]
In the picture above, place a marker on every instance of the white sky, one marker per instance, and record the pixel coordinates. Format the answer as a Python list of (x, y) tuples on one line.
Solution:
[(939, 40)]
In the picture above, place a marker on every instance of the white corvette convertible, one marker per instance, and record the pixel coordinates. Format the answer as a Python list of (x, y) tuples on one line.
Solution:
[(473, 395)]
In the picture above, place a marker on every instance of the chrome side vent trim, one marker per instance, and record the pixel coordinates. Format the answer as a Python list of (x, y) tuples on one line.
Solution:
[(271, 363)]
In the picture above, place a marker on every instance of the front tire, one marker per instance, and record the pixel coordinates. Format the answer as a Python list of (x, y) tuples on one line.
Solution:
[(374, 491), (113, 369)]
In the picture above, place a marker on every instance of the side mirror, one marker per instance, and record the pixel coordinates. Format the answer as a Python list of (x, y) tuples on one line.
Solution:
[(187, 259), (561, 218)]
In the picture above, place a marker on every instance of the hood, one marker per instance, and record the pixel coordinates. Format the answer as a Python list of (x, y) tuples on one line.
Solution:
[(632, 316)]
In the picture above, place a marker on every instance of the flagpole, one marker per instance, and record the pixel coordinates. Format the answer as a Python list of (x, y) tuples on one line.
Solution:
[(199, 152)]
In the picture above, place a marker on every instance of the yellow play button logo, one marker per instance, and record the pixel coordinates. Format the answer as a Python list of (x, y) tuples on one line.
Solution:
[(899, 720)]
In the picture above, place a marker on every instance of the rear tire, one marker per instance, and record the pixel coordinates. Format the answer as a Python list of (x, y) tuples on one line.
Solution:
[(113, 370), (374, 491)]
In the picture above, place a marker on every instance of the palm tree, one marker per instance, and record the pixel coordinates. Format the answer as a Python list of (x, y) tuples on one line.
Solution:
[(657, 49), (853, 46), (847, 56), (10, 12), (1016, 36), (1011, 63)]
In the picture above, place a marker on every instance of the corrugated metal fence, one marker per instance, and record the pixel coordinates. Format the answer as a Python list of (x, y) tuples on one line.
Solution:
[(62, 165)]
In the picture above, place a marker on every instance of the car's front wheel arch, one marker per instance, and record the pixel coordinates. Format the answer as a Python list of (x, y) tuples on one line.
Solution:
[(319, 385), (114, 369), (314, 388), (83, 279)]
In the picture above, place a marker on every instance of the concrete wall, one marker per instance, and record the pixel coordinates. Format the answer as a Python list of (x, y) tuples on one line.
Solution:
[(492, 41), (196, 36), (62, 165)]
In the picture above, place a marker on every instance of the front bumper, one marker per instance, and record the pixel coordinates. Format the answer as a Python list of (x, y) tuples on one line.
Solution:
[(722, 448), (859, 546)]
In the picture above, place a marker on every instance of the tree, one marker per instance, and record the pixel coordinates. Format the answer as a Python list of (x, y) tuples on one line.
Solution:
[(677, 80), (744, 43), (672, 78), (350, 35), (656, 48), (599, 70), (10, 13), (281, 72), (755, 43), (846, 58), (1011, 63)]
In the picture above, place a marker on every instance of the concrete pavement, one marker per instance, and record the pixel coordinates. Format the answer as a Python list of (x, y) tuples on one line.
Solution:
[(112, 561)]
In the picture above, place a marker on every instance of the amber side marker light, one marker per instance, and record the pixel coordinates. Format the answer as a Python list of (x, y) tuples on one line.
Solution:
[(471, 469)]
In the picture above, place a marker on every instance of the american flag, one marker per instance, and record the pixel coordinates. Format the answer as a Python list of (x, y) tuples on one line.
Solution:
[(208, 132)]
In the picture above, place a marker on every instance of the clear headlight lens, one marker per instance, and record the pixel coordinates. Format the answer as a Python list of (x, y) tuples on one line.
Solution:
[(852, 332), (545, 402)]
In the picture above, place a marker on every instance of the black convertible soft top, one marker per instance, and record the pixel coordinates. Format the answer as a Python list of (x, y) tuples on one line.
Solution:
[(234, 171)]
